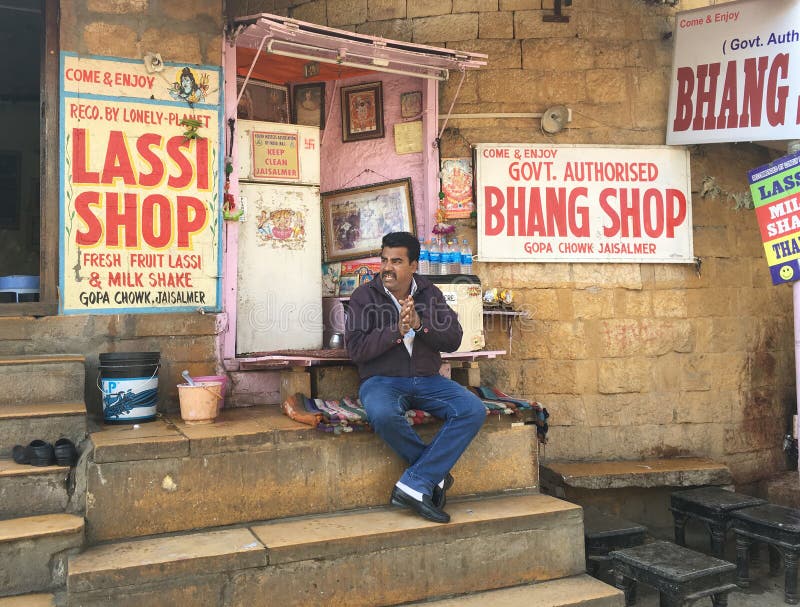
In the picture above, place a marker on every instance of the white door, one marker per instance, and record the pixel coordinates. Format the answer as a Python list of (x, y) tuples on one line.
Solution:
[(279, 277)]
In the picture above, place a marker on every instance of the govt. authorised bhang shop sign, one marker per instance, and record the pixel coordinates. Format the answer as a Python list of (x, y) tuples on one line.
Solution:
[(583, 203)]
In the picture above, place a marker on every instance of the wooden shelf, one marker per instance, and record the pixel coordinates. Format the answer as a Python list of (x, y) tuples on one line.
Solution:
[(490, 312), (313, 358)]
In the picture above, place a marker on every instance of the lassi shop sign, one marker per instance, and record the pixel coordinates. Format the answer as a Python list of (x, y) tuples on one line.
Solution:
[(140, 198), (736, 73), (583, 203)]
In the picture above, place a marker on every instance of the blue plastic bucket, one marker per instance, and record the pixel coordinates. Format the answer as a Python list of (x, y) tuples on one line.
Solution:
[(128, 382)]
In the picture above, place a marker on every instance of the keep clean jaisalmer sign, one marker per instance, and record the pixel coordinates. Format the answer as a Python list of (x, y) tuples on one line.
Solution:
[(140, 213), (583, 203)]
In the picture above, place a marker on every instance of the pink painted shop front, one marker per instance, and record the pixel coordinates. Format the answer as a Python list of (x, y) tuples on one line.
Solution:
[(277, 54)]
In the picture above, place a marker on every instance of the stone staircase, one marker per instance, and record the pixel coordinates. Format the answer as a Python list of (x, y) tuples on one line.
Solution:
[(40, 397), (257, 510)]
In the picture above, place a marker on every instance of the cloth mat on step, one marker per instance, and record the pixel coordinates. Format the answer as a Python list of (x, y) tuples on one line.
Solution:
[(348, 415), (500, 403)]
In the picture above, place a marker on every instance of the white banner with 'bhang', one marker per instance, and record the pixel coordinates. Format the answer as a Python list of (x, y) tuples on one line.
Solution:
[(736, 73)]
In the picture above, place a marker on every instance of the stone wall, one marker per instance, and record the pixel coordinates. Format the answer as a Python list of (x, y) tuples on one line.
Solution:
[(185, 341), (182, 31), (631, 360)]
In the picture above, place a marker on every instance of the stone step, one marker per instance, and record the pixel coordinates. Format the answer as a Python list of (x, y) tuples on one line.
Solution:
[(30, 490), (22, 423), (637, 490), (655, 472), (323, 559), (41, 379), (34, 551), (576, 591), (256, 464), (783, 489), (29, 600)]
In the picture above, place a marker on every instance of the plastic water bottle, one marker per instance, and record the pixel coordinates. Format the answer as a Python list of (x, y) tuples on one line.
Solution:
[(444, 268), (455, 257), (466, 257), (424, 258), (434, 257)]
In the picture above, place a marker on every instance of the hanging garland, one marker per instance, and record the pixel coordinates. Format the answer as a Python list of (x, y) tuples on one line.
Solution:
[(229, 210)]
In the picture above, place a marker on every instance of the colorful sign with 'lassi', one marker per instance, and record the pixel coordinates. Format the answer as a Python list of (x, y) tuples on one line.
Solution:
[(140, 189), (775, 188)]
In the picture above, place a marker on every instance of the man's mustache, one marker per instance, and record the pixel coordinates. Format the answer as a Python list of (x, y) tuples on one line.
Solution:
[(388, 275)]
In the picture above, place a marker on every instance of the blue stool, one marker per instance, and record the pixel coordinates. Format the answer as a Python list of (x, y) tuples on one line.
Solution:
[(19, 285)]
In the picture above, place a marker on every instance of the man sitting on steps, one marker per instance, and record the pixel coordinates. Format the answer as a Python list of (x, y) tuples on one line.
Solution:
[(397, 325)]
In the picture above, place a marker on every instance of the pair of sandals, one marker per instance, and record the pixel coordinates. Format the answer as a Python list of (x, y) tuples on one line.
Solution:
[(42, 453)]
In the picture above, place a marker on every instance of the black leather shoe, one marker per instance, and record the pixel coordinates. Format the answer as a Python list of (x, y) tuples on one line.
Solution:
[(424, 508), (41, 453), (439, 497), (65, 452), (21, 455)]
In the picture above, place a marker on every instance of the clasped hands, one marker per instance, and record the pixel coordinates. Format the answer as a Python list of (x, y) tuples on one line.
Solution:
[(409, 319)]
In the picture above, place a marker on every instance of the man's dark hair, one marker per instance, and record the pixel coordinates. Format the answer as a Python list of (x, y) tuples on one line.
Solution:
[(402, 239)]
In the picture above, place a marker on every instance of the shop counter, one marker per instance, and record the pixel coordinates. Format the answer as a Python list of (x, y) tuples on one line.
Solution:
[(295, 366)]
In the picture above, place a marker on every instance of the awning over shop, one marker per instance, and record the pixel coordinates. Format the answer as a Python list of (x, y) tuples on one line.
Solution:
[(273, 40)]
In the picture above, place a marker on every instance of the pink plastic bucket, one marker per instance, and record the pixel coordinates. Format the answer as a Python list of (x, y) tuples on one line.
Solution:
[(223, 379), (199, 402)]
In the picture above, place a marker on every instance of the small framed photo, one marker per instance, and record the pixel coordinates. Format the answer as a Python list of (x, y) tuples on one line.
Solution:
[(263, 101), (308, 104), (355, 220), (456, 174), (362, 111), (357, 273), (411, 104)]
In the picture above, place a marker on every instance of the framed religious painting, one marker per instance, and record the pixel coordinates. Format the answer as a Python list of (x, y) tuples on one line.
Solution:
[(362, 112), (458, 198), (411, 104), (355, 220), (263, 101), (308, 104)]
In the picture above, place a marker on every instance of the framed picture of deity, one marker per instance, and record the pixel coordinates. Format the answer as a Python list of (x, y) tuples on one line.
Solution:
[(362, 111), (308, 104), (411, 104), (458, 198), (355, 220), (263, 101)]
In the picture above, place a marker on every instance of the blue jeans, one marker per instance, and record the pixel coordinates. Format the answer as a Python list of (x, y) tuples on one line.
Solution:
[(386, 399)]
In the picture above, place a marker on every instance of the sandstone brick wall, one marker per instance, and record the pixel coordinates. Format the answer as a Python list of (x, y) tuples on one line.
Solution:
[(186, 31), (185, 341), (631, 360)]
